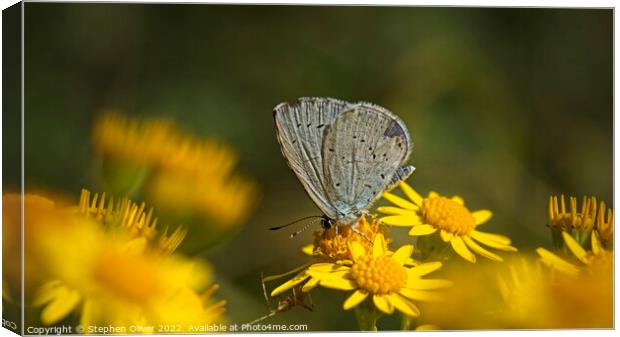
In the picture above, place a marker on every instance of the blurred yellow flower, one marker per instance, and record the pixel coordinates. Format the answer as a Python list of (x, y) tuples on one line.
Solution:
[(34, 208), (447, 216), (382, 276), (597, 260), (521, 294), (108, 261), (186, 174)]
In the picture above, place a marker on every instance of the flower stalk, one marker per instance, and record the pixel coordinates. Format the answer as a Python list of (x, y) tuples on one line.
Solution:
[(367, 316)]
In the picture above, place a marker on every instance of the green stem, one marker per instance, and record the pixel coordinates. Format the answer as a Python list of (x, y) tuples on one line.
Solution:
[(407, 323), (367, 316), (433, 248)]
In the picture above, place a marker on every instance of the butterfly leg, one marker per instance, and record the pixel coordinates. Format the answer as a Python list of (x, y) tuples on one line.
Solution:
[(262, 279)]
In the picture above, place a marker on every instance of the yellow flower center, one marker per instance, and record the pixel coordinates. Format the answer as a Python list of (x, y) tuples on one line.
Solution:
[(332, 247), (447, 214), (380, 275)]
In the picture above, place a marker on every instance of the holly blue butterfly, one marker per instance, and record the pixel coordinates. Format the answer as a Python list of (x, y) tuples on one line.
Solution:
[(344, 154)]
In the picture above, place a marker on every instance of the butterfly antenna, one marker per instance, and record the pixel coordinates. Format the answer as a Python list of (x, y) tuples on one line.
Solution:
[(294, 222), (301, 230)]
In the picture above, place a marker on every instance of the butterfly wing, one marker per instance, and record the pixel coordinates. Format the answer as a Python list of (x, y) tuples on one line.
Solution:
[(364, 149), (300, 130)]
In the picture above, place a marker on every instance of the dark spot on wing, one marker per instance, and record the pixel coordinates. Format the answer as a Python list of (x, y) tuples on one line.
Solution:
[(309, 124), (342, 157), (294, 141), (354, 137), (366, 185), (382, 176), (330, 150), (394, 130), (337, 184), (374, 156), (298, 124), (320, 126)]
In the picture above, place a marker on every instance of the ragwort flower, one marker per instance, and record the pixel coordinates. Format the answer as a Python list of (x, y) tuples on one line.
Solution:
[(382, 276), (448, 217), (108, 262)]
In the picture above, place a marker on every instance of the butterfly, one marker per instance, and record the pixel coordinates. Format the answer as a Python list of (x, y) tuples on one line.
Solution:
[(344, 154)]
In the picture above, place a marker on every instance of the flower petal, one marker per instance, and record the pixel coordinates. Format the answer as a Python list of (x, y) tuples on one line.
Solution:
[(427, 327), (596, 244), (311, 284), (65, 301), (321, 275), (401, 220), (378, 245), (458, 200), (327, 267), (411, 193), (356, 249), (337, 283), (47, 292), (424, 269), (427, 284), (482, 216), (400, 202), (383, 304), (308, 249), (422, 230), (433, 194), (290, 283), (356, 298), (459, 247), (421, 295), (395, 210), (445, 236), (479, 250), (490, 237), (403, 305), (402, 254), (575, 248), (553, 261)]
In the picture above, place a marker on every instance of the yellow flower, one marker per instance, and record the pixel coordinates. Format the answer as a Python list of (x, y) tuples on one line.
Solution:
[(108, 261), (560, 219), (184, 174), (521, 294), (333, 246), (382, 276), (598, 260), (580, 222), (447, 216), (35, 208), (605, 226)]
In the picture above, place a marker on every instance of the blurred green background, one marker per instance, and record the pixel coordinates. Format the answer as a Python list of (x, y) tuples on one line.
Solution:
[(504, 106)]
